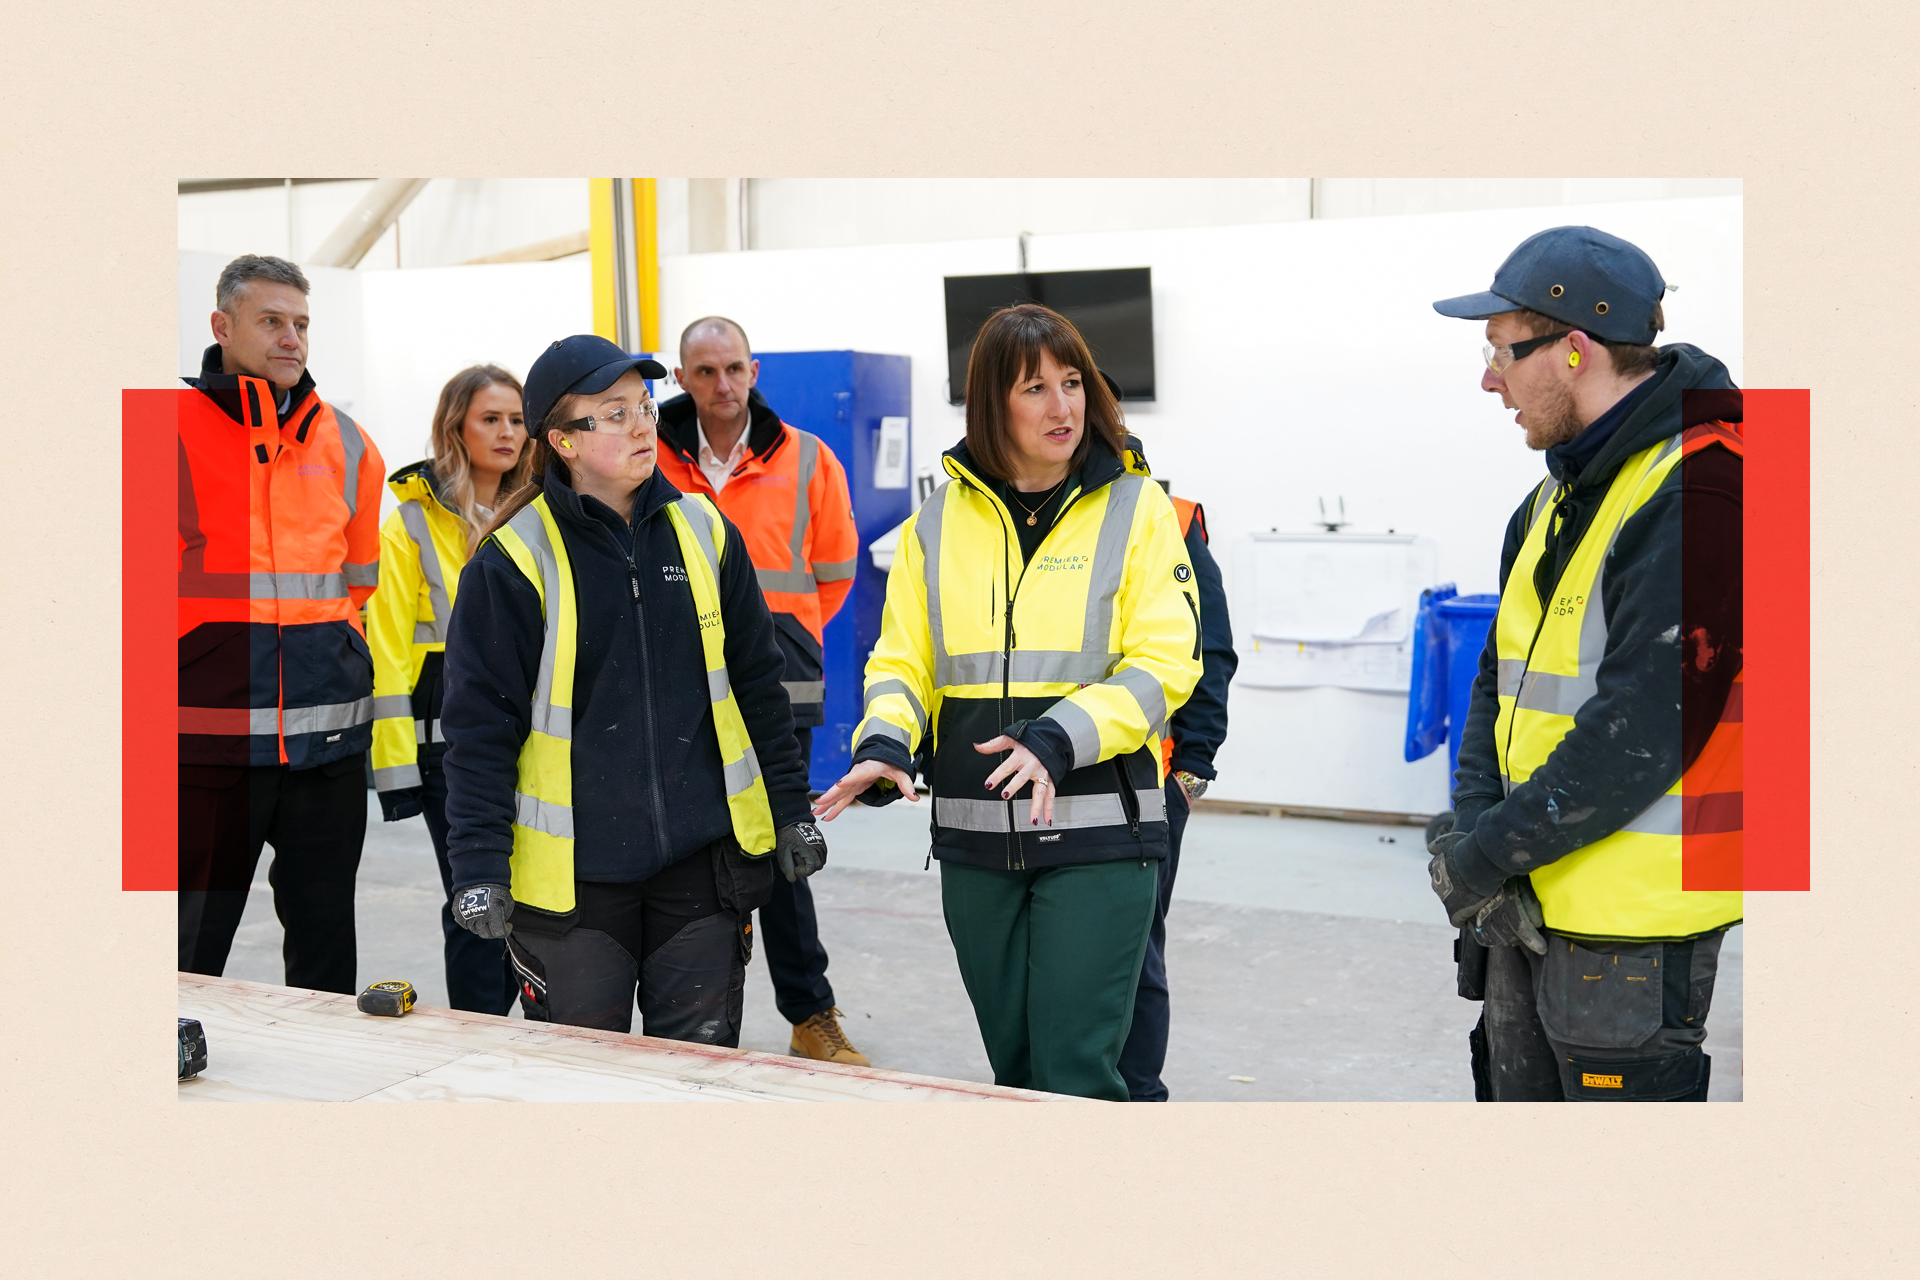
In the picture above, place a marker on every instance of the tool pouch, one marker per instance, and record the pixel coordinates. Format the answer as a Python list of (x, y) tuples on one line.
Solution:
[(1664, 1077), (1599, 1000), (1470, 961)]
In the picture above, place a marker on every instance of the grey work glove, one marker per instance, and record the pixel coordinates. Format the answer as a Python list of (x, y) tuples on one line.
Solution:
[(483, 909), (800, 850), (1511, 918), (1461, 901)]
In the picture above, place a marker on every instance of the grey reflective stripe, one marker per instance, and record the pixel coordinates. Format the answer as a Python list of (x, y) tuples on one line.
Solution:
[(425, 731), (837, 571), (328, 717), (804, 692), (555, 722), (802, 508), (296, 586), (927, 530), (1109, 561), (413, 518), (1145, 689), (1554, 695), (798, 580), (393, 706), (1661, 818), (543, 815), (236, 721), (1080, 727), (362, 575), (741, 773), (1506, 784), (881, 688), (1542, 501), (1509, 673), (1069, 812), (702, 525), (396, 777), (1030, 666), (718, 686), (874, 727), (964, 668), (355, 446)]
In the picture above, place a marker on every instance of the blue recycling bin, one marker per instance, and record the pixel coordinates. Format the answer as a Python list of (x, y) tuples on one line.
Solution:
[(1450, 632)]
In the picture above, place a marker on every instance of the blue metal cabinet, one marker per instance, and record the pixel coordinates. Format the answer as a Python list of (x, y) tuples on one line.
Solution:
[(841, 396)]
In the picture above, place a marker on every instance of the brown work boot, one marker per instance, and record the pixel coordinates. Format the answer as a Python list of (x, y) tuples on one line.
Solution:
[(821, 1039)]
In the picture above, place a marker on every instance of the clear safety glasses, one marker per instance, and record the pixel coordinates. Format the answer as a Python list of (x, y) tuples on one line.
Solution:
[(620, 418)]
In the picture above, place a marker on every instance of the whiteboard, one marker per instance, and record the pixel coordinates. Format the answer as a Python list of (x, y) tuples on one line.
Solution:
[(1329, 608)]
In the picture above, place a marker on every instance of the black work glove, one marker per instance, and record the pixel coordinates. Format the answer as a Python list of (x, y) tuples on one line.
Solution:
[(800, 850), (483, 909), (1511, 918), (405, 803), (1462, 902)]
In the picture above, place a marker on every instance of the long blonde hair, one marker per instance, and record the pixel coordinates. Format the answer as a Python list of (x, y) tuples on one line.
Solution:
[(452, 465)]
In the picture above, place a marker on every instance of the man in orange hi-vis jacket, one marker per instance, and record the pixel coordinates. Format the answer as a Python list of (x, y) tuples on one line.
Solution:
[(788, 494), (279, 547)]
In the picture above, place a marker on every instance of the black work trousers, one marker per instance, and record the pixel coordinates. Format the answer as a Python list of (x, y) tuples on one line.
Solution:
[(1145, 1053), (480, 978), (790, 933), (1596, 1022), (681, 940), (316, 820)]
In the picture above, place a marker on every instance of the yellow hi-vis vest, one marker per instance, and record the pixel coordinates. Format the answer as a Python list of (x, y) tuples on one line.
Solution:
[(542, 859), (1626, 885)]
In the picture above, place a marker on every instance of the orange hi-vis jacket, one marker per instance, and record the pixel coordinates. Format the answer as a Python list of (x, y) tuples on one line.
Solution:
[(789, 499), (279, 547)]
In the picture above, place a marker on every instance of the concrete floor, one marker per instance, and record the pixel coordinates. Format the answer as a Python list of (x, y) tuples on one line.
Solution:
[(1303, 954)]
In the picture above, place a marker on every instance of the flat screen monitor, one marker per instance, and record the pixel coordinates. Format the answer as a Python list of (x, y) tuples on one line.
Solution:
[(1112, 309)]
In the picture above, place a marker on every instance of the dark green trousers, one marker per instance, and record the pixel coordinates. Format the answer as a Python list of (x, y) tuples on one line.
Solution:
[(1051, 959)]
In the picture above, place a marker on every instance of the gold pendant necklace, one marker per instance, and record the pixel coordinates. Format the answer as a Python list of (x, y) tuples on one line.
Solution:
[(1033, 513)]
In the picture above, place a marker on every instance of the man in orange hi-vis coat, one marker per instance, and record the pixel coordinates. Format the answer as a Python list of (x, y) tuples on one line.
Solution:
[(279, 547), (787, 493)]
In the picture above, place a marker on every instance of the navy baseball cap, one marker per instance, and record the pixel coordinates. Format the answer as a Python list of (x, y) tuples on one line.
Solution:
[(579, 366), (1580, 276)]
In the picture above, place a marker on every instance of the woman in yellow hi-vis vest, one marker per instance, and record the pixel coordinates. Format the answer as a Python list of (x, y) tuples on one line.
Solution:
[(622, 776), (1594, 859), (479, 447), (1042, 622)]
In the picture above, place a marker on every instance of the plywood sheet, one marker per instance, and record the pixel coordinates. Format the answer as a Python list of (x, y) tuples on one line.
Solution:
[(268, 1043)]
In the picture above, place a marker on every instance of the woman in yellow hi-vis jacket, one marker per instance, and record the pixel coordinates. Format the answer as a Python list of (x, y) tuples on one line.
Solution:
[(1041, 624), (479, 448), (622, 775)]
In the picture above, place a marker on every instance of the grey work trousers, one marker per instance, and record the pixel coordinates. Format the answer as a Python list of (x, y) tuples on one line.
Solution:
[(1596, 1021)]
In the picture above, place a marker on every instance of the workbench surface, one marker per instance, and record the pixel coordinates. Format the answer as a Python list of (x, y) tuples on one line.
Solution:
[(268, 1043)]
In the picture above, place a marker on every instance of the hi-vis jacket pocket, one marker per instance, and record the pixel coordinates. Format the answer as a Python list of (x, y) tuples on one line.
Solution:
[(1598, 1000)]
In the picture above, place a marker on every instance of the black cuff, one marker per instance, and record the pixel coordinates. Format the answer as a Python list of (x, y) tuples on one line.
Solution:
[(1049, 742), (1479, 872), (789, 807), (888, 752), (405, 803)]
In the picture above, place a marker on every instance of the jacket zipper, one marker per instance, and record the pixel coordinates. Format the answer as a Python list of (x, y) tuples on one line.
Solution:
[(646, 701)]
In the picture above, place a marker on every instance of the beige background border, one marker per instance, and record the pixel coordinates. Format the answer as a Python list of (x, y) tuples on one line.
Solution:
[(106, 105)]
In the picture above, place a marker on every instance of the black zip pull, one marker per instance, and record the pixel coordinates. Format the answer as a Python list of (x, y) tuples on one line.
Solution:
[(929, 865), (633, 580)]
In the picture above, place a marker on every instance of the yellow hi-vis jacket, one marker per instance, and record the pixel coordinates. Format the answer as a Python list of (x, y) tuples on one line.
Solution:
[(1099, 632), (542, 859), (1627, 884), (423, 547)]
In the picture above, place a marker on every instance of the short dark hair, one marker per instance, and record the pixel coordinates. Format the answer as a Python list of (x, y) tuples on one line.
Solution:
[(249, 267), (1630, 359), (714, 320), (1007, 350)]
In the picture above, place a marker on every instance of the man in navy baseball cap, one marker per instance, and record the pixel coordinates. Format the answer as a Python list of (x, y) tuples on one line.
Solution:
[(578, 366), (1606, 693)]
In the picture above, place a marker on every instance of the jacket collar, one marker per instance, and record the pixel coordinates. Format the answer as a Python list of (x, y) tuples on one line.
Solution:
[(1687, 387), (225, 389), (418, 481), (680, 427), (1101, 467), (656, 493)]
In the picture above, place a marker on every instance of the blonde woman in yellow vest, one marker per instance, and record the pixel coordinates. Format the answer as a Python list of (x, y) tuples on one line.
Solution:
[(1593, 862), (479, 454), (622, 775)]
